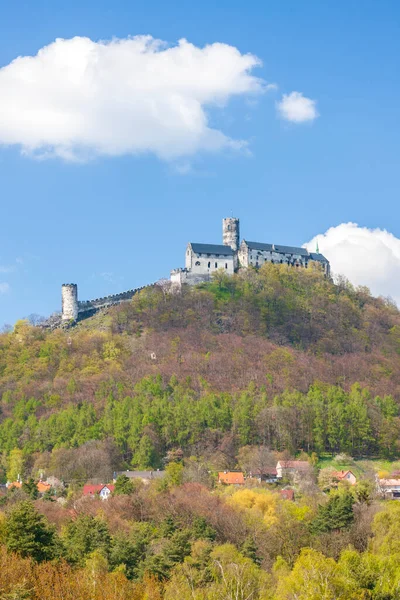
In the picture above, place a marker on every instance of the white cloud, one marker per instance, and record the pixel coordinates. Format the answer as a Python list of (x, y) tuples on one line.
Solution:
[(365, 256), (4, 288), (78, 98), (297, 108)]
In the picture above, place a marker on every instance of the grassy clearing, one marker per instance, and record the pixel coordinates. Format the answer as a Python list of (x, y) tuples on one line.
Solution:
[(360, 467)]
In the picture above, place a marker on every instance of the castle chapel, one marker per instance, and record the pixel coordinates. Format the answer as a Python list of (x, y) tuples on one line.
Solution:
[(203, 259)]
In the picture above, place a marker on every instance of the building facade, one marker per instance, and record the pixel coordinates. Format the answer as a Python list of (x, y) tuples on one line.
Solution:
[(201, 260)]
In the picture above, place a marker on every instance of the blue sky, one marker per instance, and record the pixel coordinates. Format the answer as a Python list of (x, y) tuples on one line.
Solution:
[(111, 223)]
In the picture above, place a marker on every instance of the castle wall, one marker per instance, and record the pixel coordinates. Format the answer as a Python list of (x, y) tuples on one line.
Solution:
[(98, 303), (181, 276)]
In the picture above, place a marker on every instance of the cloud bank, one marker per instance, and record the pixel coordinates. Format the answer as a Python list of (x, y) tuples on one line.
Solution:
[(296, 108), (365, 256), (4, 288), (78, 98)]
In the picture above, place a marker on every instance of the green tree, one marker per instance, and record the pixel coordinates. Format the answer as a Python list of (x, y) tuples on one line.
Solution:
[(85, 535), (336, 514), (30, 488), (174, 474), (15, 465), (28, 534), (123, 486), (145, 457)]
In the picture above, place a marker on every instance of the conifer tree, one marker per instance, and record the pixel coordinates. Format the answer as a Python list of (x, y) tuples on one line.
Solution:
[(28, 534)]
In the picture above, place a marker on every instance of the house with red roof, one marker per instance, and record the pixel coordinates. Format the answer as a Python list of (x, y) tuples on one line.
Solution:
[(101, 489), (287, 494), (344, 476), (231, 477)]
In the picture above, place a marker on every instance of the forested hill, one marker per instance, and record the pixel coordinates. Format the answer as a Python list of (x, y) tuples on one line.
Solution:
[(281, 356)]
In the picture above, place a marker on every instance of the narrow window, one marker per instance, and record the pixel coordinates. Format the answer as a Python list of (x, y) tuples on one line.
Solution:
[(209, 265), (216, 265), (226, 265)]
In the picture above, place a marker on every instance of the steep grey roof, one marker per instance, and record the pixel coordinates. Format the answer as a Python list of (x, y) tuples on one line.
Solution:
[(212, 249), (291, 250), (318, 257), (141, 474), (259, 246), (275, 248)]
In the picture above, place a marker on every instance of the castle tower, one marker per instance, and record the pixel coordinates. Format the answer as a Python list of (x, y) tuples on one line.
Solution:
[(230, 233), (69, 299)]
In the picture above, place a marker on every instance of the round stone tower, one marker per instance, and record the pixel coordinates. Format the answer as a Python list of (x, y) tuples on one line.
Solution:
[(230, 233), (69, 299)]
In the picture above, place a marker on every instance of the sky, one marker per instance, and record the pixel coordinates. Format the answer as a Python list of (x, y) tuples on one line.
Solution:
[(128, 129)]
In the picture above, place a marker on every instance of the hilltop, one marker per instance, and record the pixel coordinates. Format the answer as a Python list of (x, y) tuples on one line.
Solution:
[(278, 356)]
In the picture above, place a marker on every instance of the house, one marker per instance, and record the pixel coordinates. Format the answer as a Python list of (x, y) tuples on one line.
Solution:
[(43, 487), (287, 494), (145, 476), (344, 476), (13, 484), (266, 476), (284, 468), (104, 491), (390, 488), (231, 477)]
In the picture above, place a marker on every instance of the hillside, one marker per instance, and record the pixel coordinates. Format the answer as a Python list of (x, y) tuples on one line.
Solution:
[(236, 374), (281, 357)]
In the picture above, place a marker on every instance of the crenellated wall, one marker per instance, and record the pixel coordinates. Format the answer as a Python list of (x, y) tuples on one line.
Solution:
[(93, 305)]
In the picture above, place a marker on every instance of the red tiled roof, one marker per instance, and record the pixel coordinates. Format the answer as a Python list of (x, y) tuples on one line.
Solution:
[(42, 486), (91, 489), (14, 484), (231, 477), (287, 494), (341, 474)]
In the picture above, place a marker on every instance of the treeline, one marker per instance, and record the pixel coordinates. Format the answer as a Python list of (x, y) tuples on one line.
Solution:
[(139, 430)]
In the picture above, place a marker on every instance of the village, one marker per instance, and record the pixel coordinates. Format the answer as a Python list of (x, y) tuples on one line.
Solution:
[(289, 479)]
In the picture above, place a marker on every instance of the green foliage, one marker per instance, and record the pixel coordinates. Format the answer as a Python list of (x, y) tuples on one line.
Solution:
[(30, 488), (145, 457), (83, 536), (174, 474), (336, 514), (123, 485), (28, 534)]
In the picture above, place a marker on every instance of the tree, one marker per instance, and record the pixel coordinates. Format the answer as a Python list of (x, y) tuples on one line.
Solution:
[(315, 577), (30, 488), (336, 514), (174, 474), (123, 485), (28, 534), (85, 535), (145, 456), (15, 465)]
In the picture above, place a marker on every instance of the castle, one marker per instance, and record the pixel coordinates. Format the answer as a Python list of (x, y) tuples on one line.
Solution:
[(201, 261)]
